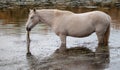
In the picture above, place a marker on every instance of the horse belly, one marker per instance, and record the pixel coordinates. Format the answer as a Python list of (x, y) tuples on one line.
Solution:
[(77, 32)]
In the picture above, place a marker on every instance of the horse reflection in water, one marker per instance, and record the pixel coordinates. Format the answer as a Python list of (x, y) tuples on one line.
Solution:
[(66, 23), (76, 58)]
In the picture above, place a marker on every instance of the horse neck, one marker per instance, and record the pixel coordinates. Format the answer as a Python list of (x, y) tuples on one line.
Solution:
[(47, 17)]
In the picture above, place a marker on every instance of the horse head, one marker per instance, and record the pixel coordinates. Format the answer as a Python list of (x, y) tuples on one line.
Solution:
[(32, 20)]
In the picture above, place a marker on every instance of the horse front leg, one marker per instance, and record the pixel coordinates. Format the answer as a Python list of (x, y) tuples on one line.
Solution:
[(28, 44), (63, 42)]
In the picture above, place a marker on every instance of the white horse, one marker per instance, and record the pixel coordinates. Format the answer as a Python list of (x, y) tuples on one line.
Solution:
[(66, 23)]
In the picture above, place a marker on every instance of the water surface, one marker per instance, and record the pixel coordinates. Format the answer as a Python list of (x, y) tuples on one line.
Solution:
[(83, 53)]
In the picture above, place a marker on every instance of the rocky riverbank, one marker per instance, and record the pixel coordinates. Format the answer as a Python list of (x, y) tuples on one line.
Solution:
[(61, 4)]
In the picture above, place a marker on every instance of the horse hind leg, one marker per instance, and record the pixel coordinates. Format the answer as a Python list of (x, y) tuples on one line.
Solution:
[(106, 36), (103, 36), (100, 35), (100, 39)]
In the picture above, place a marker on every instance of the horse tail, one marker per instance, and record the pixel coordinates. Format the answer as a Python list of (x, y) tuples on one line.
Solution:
[(106, 36)]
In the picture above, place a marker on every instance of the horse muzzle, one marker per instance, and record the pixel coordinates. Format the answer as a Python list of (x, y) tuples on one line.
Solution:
[(28, 29)]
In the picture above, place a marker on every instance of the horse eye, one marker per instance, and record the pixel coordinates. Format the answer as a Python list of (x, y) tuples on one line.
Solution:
[(31, 17)]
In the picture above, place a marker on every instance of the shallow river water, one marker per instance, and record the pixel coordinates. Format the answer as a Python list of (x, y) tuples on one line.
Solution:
[(82, 53)]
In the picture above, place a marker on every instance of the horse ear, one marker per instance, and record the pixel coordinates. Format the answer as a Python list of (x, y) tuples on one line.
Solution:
[(30, 10), (34, 10)]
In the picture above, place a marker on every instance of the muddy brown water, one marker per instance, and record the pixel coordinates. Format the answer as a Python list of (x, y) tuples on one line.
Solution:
[(82, 53)]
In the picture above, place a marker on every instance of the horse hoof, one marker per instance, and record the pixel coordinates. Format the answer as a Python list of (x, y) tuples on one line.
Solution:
[(28, 54), (57, 51), (60, 51)]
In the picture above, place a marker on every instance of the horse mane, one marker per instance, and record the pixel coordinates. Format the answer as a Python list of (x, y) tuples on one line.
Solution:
[(57, 12)]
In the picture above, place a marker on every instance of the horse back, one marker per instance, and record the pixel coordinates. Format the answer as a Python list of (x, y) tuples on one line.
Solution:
[(82, 24)]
